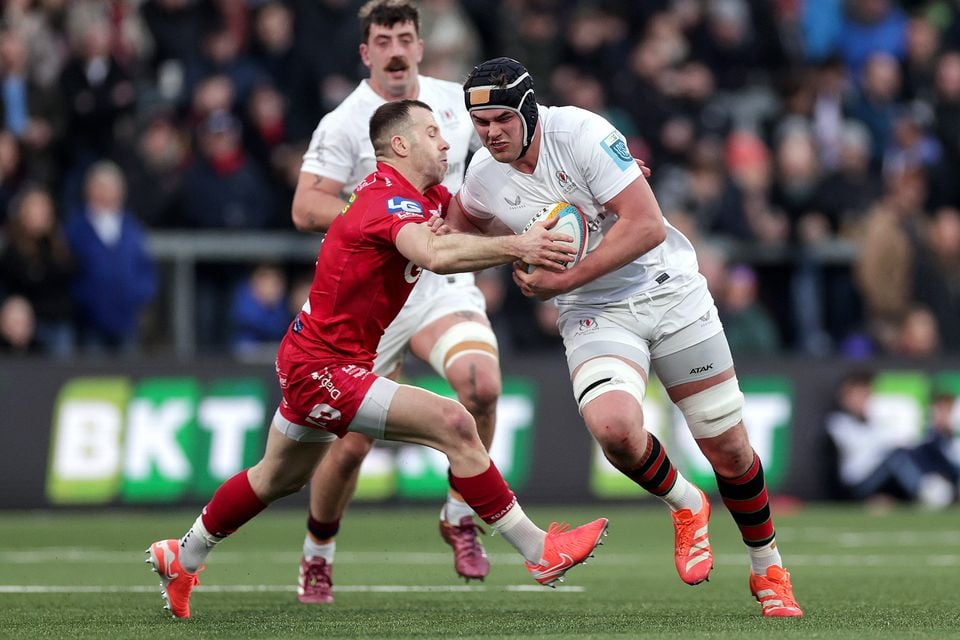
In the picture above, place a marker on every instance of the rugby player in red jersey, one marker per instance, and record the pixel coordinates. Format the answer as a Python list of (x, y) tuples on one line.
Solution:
[(369, 262)]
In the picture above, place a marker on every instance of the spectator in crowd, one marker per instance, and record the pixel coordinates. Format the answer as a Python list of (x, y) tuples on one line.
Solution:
[(452, 44), (213, 94), (876, 458), (12, 170), (41, 26), (939, 451), (918, 335), (17, 325), (848, 191), (888, 247), (911, 146), (99, 96), (222, 53), (946, 109), (276, 50), (175, 27), (923, 45), (936, 280), (154, 166), (870, 27), (750, 329), (266, 125), (115, 276), (31, 111), (224, 188), (36, 264), (876, 102), (259, 314)]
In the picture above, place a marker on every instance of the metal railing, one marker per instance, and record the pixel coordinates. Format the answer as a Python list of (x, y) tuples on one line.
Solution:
[(184, 250)]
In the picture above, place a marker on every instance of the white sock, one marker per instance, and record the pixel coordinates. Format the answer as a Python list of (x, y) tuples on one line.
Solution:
[(196, 545), (683, 495), (455, 510), (520, 531), (313, 549), (763, 557)]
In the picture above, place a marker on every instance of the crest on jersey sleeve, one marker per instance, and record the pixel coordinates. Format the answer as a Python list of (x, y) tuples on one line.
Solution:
[(616, 147)]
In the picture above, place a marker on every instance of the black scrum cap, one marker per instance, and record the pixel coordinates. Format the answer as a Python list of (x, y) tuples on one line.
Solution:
[(503, 83)]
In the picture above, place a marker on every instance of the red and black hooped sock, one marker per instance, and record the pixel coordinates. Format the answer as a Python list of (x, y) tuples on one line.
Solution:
[(322, 531), (655, 473), (746, 499)]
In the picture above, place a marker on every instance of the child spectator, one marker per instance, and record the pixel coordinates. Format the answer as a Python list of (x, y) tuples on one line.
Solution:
[(259, 314), (17, 327)]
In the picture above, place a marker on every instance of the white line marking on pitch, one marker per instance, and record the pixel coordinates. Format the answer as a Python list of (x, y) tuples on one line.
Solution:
[(255, 588), (79, 555)]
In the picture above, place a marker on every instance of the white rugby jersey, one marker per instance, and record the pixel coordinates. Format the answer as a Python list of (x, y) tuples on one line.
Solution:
[(340, 148), (583, 160)]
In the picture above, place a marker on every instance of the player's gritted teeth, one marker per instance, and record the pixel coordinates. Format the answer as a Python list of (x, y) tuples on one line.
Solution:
[(499, 145)]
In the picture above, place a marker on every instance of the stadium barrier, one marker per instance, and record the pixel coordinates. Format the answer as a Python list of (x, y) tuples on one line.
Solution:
[(181, 252), (167, 432)]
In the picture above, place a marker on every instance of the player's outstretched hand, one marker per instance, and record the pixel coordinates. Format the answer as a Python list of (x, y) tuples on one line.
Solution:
[(541, 247)]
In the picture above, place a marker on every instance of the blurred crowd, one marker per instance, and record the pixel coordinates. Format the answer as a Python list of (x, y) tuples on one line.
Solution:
[(774, 128)]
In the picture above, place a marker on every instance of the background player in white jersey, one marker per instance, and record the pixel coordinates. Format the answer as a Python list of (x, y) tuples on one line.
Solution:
[(444, 321), (636, 300)]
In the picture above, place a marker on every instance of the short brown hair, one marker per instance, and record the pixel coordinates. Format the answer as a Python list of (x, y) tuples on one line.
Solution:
[(387, 13), (389, 119)]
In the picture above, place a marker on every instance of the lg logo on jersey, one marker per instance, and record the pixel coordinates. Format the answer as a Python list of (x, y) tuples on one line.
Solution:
[(412, 272), (403, 207)]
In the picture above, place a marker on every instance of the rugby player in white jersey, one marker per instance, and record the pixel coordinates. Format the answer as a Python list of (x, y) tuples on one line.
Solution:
[(444, 322), (636, 301)]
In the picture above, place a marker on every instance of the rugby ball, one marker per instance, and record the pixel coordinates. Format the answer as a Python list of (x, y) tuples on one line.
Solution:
[(569, 221)]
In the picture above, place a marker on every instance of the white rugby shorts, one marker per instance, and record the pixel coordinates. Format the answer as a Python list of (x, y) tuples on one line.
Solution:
[(677, 328), (440, 296)]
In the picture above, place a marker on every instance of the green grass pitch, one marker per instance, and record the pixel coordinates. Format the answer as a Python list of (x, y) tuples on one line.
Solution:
[(856, 574)]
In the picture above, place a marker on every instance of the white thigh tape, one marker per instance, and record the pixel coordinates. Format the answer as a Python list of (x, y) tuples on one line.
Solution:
[(600, 375)]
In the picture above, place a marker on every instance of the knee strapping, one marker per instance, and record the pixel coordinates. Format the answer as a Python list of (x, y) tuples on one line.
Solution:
[(462, 339), (712, 411), (601, 375)]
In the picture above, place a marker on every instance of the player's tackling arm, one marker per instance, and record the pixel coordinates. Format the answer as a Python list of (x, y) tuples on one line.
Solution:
[(459, 219), (316, 202), (462, 252)]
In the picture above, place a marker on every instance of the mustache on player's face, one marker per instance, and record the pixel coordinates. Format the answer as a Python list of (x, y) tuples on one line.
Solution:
[(397, 63)]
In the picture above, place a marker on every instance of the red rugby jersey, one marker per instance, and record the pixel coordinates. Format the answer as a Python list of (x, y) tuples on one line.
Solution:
[(361, 280)]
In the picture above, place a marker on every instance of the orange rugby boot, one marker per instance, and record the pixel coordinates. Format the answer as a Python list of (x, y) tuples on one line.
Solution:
[(563, 549), (175, 583), (691, 548), (775, 593)]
